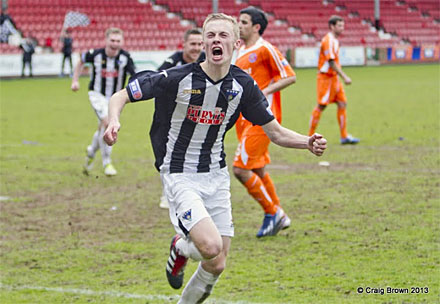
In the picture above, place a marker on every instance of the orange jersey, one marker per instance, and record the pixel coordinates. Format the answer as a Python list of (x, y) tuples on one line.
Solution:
[(329, 51), (265, 64)]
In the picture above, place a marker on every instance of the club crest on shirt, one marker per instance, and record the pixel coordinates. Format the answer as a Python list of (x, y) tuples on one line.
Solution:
[(230, 94), (135, 89), (252, 57), (187, 215)]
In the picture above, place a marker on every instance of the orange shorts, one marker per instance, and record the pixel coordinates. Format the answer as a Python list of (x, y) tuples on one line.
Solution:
[(252, 151), (329, 89)]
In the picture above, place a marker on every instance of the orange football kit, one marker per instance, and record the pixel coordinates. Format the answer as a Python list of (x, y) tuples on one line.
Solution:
[(266, 65), (329, 87)]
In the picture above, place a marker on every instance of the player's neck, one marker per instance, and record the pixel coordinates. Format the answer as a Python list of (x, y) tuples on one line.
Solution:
[(251, 41), (215, 72), (109, 53), (334, 34)]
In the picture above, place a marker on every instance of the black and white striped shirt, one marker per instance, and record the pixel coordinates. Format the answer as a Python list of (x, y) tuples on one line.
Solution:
[(193, 113), (177, 59), (108, 73)]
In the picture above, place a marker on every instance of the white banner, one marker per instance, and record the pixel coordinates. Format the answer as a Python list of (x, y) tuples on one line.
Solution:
[(42, 64), (348, 56), (149, 60)]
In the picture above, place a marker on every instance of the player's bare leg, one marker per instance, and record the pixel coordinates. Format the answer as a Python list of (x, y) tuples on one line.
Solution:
[(204, 242)]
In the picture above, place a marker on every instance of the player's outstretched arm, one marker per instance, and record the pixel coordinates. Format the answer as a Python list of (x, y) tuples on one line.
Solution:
[(116, 104), (290, 139), (75, 77)]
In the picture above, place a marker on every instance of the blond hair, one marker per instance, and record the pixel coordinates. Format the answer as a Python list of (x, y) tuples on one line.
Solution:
[(221, 16), (113, 30)]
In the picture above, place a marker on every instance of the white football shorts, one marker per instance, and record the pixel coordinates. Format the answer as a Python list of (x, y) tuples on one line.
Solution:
[(99, 103), (194, 196)]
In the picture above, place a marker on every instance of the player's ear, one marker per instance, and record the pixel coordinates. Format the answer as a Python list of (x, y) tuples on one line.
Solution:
[(257, 27), (237, 44)]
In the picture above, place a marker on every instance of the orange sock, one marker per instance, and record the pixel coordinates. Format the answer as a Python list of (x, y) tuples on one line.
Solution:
[(314, 119), (270, 187), (257, 190), (342, 120)]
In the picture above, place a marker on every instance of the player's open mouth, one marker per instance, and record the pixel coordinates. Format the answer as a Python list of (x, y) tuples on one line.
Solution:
[(217, 52)]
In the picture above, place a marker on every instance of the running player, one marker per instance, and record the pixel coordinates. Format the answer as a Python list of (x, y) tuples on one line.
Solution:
[(195, 105), (110, 66), (329, 88), (272, 72)]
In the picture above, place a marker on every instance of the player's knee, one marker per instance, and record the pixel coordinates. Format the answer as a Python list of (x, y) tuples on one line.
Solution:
[(211, 249), (240, 174), (236, 172), (219, 266), (322, 107)]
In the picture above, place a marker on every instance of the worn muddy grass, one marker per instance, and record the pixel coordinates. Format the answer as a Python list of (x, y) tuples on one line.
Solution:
[(370, 219)]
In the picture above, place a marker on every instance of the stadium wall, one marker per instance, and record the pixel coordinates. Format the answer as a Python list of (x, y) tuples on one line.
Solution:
[(348, 56), (50, 64), (304, 57)]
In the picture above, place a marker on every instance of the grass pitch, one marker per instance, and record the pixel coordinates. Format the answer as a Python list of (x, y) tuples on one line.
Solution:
[(370, 220)]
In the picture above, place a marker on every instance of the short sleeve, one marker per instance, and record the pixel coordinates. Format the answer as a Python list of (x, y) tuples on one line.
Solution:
[(131, 68), (327, 49), (169, 62), (255, 107), (279, 66), (145, 85)]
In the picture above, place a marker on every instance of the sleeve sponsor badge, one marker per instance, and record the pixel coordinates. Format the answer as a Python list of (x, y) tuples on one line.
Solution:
[(135, 89)]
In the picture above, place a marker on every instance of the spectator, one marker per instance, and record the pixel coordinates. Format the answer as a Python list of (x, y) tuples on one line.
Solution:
[(28, 48), (7, 26), (48, 45), (67, 41)]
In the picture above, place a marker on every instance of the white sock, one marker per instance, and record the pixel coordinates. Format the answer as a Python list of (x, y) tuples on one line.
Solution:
[(91, 150), (106, 150), (199, 287), (188, 249)]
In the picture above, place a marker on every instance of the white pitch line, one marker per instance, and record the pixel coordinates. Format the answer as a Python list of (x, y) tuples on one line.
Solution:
[(113, 294)]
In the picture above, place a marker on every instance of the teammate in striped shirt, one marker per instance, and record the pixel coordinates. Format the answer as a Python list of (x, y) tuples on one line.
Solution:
[(329, 88), (192, 51), (109, 69), (195, 105), (272, 72)]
